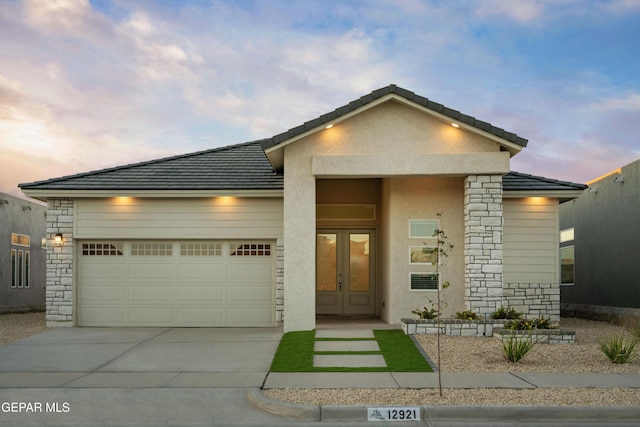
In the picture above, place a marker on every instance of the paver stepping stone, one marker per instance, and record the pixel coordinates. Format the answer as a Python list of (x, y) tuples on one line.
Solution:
[(349, 361), (344, 333), (346, 346)]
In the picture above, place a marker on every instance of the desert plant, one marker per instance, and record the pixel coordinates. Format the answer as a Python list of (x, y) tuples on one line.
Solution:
[(618, 348), (467, 315), (426, 313), (635, 329), (516, 347), (527, 325), (506, 313)]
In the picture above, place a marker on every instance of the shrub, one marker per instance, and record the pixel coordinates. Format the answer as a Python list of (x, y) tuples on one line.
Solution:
[(527, 325), (635, 329), (618, 349), (506, 313), (467, 315), (426, 313), (516, 347)]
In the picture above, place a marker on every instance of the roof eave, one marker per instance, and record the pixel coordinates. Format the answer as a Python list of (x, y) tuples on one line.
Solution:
[(45, 194), (562, 195)]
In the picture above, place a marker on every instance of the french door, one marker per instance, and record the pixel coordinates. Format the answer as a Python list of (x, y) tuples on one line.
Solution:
[(345, 271)]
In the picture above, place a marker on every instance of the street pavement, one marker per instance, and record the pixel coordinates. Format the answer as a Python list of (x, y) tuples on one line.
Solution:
[(213, 376)]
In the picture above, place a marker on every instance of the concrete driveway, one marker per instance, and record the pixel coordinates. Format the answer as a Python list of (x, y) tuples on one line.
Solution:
[(140, 357)]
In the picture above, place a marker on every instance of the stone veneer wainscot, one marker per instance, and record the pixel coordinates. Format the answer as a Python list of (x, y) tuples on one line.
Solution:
[(59, 294)]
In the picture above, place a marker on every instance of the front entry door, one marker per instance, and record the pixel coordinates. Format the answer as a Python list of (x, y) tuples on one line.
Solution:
[(345, 272)]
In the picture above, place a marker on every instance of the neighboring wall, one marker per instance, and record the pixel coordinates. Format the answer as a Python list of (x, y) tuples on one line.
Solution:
[(531, 260), (20, 216), (606, 222)]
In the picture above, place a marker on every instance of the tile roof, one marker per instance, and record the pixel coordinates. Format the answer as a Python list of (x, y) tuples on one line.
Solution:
[(407, 94), (515, 181), (235, 167)]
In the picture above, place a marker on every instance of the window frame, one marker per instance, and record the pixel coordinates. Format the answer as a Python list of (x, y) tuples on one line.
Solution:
[(422, 273)]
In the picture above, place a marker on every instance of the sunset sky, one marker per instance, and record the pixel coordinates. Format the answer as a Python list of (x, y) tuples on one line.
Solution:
[(86, 85)]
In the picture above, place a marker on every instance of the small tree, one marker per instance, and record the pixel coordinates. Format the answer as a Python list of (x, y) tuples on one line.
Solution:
[(443, 249)]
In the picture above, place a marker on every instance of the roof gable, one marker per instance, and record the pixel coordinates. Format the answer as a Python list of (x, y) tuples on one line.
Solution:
[(509, 140)]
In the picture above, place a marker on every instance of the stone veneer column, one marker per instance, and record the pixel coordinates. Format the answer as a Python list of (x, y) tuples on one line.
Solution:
[(483, 243), (279, 281), (59, 295)]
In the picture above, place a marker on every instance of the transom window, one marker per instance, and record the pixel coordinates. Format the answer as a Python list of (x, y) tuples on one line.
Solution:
[(250, 249), (201, 249), (20, 240), (102, 249), (151, 249)]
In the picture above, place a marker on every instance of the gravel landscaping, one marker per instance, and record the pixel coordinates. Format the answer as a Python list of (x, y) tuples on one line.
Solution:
[(16, 326), (474, 354)]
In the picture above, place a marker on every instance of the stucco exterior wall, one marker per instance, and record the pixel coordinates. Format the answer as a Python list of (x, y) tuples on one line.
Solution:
[(420, 198), (607, 235), (26, 218)]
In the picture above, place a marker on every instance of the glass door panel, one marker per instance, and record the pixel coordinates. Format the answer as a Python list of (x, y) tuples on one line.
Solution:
[(359, 262), (326, 257)]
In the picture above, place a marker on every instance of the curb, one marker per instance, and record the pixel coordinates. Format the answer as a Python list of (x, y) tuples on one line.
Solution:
[(478, 414)]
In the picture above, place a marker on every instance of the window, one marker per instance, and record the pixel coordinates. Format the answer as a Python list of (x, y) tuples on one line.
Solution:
[(20, 240), (152, 249), (250, 249), (567, 257), (20, 268), (423, 255), (567, 262), (201, 249), (102, 249), (424, 282), (422, 229)]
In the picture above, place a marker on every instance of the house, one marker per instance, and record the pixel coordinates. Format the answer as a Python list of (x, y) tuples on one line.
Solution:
[(600, 236), (333, 217), (22, 254)]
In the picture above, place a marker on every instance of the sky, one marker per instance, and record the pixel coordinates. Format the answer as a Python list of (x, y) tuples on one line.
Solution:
[(86, 85)]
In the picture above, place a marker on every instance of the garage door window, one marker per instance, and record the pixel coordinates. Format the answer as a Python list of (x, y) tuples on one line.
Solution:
[(102, 249), (201, 249), (152, 249), (250, 249)]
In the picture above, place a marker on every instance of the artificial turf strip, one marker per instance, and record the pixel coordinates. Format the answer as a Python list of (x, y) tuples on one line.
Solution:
[(295, 353)]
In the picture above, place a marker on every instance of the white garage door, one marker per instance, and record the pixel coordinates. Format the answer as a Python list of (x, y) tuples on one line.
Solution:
[(189, 283)]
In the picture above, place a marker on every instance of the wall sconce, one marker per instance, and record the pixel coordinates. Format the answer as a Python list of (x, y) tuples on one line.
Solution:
[(4, 202), (57, 239), (619, 179), (26, 208)]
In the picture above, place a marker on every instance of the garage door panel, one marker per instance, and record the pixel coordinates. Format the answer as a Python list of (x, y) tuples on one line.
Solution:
[(149, 295), (201, 295), (201, 316), (249, 272), (102, 316), (249, 294), (151, 272), (202, 273), (99, 272), (102, 293), (151, 316), (249, 317), (196, 284)]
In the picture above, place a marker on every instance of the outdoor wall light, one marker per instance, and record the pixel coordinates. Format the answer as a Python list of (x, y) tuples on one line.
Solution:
[(26, 208), (593, 190), (57, 239), (619, 179), (4, 202)]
